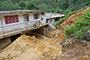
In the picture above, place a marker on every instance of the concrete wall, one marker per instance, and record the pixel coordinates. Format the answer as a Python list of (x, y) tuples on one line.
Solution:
[(4, 43), (44, 18), (21, 24), (0, 27), (45, 30), (51, 21)]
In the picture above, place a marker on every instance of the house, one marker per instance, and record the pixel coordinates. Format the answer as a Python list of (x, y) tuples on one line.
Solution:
[(52, 18), (17, 21)]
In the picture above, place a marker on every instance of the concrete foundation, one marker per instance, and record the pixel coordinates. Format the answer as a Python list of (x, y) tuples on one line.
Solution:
[(4, 42), (45, 29)]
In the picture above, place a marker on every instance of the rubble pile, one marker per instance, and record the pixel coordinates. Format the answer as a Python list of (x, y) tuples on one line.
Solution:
[(31, 48)]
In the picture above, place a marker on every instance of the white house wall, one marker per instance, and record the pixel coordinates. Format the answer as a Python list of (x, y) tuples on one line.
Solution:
[(44, 18), (1, 26), (30, 16), (20, 24), (51, 21), (33, 20), (13, 26)]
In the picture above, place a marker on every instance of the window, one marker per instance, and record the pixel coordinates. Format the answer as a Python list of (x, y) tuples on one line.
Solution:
[(36, 16), (26, 18), (11, 19)]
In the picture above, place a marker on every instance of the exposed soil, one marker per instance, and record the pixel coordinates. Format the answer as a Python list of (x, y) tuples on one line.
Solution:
[(31, 48), (76, 51), (71, 51), (71, 19)]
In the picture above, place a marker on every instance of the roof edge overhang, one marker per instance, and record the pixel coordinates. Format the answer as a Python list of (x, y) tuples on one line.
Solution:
[(20, 12)]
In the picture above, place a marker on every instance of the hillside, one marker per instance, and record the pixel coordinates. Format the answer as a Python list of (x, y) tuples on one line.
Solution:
[(57, 6), (73, 46), (39, 47), (71, 19), (67, 42)]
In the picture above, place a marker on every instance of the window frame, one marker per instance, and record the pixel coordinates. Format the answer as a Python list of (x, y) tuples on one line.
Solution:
[(36, 14), (26, 16), (11, 19)]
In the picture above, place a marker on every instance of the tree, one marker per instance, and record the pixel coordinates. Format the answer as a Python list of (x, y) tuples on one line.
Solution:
[(57, 10), (6, 5), (32, 6), (22, 4), (17, 6)]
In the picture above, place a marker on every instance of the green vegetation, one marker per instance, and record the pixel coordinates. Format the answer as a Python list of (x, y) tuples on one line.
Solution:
[(67, 14), (15, 5), (81, 25), (57, 6)]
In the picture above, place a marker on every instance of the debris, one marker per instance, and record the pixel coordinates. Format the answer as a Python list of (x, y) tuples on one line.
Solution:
[(33, 48)]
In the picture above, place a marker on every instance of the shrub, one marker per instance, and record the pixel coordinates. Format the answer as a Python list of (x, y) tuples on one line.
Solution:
[(67, 14), (81, 25)]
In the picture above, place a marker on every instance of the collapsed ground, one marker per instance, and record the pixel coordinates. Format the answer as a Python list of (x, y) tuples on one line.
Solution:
[(74, 50), (38, 47), (33, 47)]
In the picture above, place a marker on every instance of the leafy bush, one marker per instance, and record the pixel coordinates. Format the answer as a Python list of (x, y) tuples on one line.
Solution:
[(81, 25), (54, 25), (67, 14), (57, 10)]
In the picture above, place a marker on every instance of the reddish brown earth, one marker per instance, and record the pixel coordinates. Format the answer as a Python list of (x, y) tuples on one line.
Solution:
[(74, 51), (37, 47), (71, 19)]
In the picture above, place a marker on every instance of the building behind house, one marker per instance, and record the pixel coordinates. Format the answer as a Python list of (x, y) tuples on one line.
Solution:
[(52, 18)]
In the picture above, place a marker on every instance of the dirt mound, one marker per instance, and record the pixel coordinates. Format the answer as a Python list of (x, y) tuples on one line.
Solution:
[(71, 19), (31, 48), (75, 52)]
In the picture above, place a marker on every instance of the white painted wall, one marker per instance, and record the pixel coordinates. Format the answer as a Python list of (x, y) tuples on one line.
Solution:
[(51, 21), (21, 23), (13, 26), (4, 42), (44, 18), (1, 25)]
